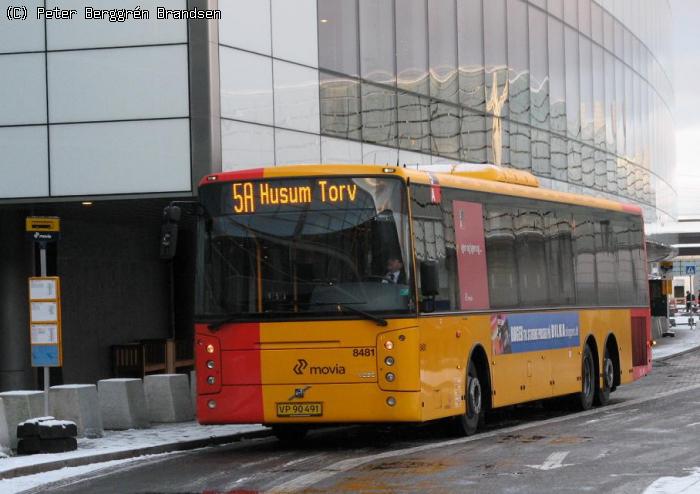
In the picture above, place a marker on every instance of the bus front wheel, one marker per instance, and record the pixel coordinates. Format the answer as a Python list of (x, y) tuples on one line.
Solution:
[(469, 422)]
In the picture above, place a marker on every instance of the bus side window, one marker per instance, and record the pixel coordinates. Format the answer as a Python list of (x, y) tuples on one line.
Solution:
[(560, 258), (434, 241), (584, 248), (500, 257)]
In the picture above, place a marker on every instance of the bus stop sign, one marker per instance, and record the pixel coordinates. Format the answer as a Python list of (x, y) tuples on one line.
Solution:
[(43, 228), (690, 270)]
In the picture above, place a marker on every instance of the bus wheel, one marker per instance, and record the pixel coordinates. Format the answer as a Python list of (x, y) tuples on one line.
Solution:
[(469, 422), (585, 398), (602, 395), (289, 433)]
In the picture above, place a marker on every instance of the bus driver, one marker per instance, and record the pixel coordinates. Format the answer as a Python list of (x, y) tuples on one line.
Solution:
[(394, 271)]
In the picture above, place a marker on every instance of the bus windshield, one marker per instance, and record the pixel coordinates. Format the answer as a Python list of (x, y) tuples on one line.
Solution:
[(301, 248)]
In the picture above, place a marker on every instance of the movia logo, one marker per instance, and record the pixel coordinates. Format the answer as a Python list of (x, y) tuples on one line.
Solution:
[(300, 367), (302, 364)]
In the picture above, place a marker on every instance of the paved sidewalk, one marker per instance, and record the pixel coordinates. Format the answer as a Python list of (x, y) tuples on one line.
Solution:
[(687, 338), (167, 438), (118, 445)]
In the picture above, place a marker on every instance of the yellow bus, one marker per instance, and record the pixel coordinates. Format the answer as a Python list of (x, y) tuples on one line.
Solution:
[(342, 294)]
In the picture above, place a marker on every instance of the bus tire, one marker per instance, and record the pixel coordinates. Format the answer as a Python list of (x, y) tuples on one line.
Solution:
[(602, 395), (468, 423), (585, 398), (289, 434)]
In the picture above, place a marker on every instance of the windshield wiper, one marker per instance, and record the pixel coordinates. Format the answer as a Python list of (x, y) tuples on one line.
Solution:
[(366, 315)]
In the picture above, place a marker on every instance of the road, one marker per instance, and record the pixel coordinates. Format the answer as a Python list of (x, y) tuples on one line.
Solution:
[(650, 430)]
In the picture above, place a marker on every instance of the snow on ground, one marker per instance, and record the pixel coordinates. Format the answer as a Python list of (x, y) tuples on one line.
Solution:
[(115, 441), (687, 337), (21, 484), (673, 485)]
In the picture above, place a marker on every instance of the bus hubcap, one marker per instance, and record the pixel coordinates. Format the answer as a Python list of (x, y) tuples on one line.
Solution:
[(587, 376), (608, 374), (474, 396)]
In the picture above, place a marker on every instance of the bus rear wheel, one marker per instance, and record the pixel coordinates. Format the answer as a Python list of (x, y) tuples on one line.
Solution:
[(468, 423), (602, 397), (289, 433), (585, 397)]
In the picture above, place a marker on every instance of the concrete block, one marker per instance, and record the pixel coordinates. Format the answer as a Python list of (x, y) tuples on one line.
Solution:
[(123, 404), (168, 398), (18, 406), (4, 432), (78, 403)]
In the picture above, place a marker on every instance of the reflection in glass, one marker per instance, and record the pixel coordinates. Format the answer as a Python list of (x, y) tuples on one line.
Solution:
[(377, 41), (601, 170), (444, 85), (584, 16), (414, 122), (470, 40), (496, 78), (340, 106), (412, 46), (586, 73), (379, 115), (377, 63), (557, 99), (584, 261), (539, 92), (519, 82), (473, 141), (573, 102), (337, 36)]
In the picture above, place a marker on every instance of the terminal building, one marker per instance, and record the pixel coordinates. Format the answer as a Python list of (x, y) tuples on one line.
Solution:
[(103, 123)]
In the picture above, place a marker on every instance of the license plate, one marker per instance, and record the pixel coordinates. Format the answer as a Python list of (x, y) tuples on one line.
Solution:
[(306, 409)]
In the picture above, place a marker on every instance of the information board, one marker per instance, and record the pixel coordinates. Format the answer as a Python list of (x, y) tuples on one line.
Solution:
[(45, 321)]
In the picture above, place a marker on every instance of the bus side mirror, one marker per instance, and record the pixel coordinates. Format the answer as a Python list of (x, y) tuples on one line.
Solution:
[(429, 278), (168, 232)]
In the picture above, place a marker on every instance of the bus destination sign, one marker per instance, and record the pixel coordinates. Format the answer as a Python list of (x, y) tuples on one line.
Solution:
[(249, 197)]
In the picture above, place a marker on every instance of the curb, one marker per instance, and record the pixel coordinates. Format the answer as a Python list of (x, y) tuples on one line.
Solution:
[(132, 453), (673, 355)]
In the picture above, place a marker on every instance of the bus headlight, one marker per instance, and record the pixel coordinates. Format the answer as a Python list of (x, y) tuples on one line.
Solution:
[(389, 361), (211, 404), (210, 364), (388, 344), (210, 348), (211, 380), (391, 401), (390, 376)]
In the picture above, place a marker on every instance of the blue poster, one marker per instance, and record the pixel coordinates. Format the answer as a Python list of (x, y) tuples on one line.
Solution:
[(45, 356), (517, 333)]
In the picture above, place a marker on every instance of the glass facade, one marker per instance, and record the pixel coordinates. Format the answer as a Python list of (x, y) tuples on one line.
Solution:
[(93, 107), (578, 92)]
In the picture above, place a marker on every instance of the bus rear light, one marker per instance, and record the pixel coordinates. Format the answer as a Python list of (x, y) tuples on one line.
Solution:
[(391, 401), (211, 404), (210, 364), (390, 376), (389, 361), (210, 348), (388, 344), (211, 380)]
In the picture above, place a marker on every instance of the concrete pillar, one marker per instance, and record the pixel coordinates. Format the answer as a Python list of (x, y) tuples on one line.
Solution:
[(15, 267)]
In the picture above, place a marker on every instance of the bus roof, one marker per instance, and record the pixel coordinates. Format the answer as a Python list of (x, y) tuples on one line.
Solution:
[(488, 178)]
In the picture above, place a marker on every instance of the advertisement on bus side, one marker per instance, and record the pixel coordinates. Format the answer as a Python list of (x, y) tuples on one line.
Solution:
[(518, 333)]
